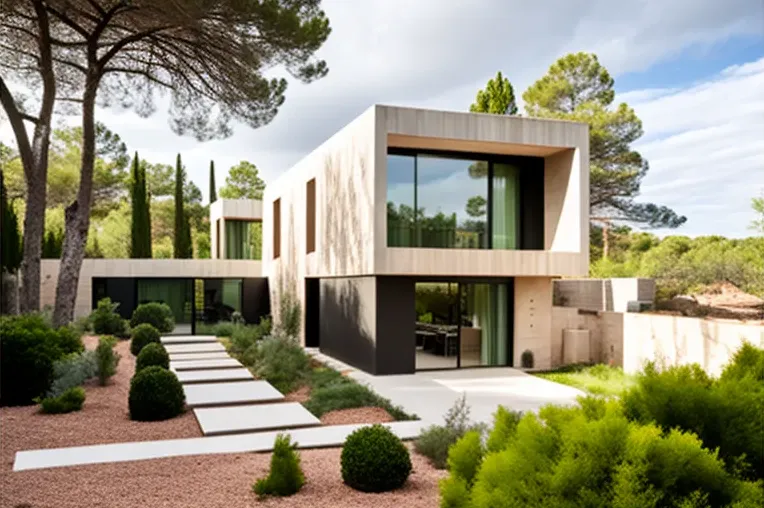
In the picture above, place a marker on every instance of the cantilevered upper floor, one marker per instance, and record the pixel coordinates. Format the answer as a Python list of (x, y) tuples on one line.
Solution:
[(402, 191)]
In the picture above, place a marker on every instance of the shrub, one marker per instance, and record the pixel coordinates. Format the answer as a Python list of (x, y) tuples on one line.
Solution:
[(285, 477), (28, 348), (82, 325), (281, 362), (349, 394), (143, 335), (152, 354), (322, 377), (105, 319), (107, 359), (435, 440), (373, 459), (504, 427), (454, 493), (237, 318), (223, 329), (243, 337), (747, 361), (158, 315), (125, 333), (526, 359), (72, 370), (465, 456), (155, 394), (71, 400)]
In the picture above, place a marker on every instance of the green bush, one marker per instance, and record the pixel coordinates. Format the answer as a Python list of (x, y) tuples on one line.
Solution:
[(71, 400), (504, 426), (155, 394), (143, 335), (454, 493), (152, 354), (106, 320), (594, 456), (322, 377), (29, 346), (748, 361), (282, 362), (223, 329), (465, 456), (244, 336), (373, 459), (107, 359), (72, 370), (82, 325), (158, 315), (285, 477), (346, 395), (435, 441)]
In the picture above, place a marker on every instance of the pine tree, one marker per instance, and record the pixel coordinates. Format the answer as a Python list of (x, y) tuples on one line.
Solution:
[(213, 190), (10, 239), (181, 241)]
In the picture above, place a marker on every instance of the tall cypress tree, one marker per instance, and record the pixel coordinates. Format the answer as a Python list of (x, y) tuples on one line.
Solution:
[(181, 241), (10, 239), (140, 226), (213, 190)]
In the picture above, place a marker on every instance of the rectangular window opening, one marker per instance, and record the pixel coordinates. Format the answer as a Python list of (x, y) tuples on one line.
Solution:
[(277, 229), (310, 218)]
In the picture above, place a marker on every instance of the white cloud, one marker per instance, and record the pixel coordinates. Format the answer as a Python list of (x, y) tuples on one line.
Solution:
[(436, 53)]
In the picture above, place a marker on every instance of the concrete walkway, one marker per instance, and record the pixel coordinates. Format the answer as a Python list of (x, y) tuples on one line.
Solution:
[(314, 437), (431, 394)]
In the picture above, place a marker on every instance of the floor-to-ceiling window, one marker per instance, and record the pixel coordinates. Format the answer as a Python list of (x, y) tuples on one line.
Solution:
[(178, 294), (455, 201), (464, 324), (243, 239)]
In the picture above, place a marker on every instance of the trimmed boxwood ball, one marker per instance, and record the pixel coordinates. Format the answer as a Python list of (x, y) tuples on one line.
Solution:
[(152, 354), (155, 394), (144, 335), (158, 315), (374, 460)]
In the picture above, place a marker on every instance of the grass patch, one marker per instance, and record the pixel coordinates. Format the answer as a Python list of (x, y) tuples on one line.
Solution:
[(349, 394), (595, 379)]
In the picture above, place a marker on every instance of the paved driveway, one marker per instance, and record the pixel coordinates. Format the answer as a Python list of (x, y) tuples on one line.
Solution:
[(431, 394)]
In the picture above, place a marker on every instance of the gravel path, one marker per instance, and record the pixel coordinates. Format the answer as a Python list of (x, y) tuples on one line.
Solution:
[(356, 415), (103, 419), (210, 481)]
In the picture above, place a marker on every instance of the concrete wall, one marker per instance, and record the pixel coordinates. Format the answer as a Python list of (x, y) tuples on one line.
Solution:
[(603, 294), (533, 323), (157, 268), (630, 339)]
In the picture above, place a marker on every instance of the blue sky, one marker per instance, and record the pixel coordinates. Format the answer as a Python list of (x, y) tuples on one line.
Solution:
[(693, 70)]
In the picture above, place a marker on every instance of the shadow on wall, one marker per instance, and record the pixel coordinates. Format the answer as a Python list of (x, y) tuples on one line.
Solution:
[(342, 334), (341, 247)]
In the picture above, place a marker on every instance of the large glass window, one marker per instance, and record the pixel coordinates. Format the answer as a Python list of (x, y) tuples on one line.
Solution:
[(178, 294), (452, 202)]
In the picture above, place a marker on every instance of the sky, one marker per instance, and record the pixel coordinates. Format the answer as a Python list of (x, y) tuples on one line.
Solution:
[(693, 70)]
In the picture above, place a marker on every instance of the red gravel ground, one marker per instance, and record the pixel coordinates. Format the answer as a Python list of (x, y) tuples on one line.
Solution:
[(208, 481)]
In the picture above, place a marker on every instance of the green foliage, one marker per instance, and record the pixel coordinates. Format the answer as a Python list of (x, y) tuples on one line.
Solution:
[(322, 377), (82, 325), (107, 359), (72, 370), (290, 316), (526, 359), (53, 244), (435, 441), (497, 98), (10, 238), (280, 361), (152, 354), (597, 379), (105, 319), (143, 335), (344, 394), (158, 315), (155, 394), (577, 87), (285, 477), (374, 459), (182, 247), (454, 493), (724, 414), (465, 456), (69, 401), (504, 427), (29, 346), (748, 361), (213, 188), (140, 224), (592, 455), (757, 224), (243, 336), (243, 182)]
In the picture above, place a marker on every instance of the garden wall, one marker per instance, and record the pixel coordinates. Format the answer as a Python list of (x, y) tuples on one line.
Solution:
[(630, 339)]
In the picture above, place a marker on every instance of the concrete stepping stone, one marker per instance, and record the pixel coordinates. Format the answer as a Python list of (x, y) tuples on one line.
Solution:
[(189, 339), (260, 417), (215, 355), (311, 437), (194, 348), (214, 363), (240, 392), (207, 376)]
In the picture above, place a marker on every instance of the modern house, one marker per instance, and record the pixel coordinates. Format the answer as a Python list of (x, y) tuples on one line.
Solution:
[(412, 239), (417, 239)]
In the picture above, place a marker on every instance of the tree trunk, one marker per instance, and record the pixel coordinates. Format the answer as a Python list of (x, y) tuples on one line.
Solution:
[(77, 216), (605, 239)]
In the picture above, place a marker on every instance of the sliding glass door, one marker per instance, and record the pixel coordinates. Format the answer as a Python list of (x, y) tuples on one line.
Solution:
[(178, 294), (467, 324)]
